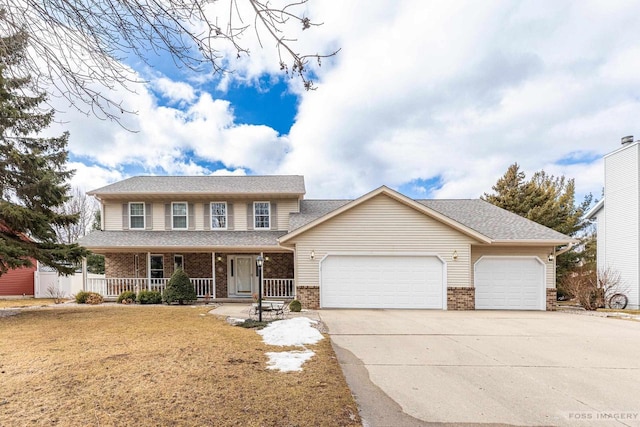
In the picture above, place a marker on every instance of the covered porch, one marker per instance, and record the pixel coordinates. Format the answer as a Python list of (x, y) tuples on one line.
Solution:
[(214, 275)]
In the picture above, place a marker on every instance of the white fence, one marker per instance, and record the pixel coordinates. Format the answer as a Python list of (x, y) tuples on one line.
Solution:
[(46, 282)]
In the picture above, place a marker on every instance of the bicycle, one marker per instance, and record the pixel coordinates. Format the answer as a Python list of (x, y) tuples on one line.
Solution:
[(618, 301)]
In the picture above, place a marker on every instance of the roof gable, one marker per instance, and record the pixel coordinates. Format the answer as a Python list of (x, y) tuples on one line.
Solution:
[(476, 218), (398, 197)]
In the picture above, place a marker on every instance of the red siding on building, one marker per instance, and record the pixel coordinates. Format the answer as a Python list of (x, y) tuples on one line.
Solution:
[(17, 282)]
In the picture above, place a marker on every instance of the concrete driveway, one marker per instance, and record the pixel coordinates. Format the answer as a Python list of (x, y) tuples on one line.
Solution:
[(415, 367)]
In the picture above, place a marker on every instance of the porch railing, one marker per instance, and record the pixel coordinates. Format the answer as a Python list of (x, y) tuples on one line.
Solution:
[(112, 287), (277, 288)]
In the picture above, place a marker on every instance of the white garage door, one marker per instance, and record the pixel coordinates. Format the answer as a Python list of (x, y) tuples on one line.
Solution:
[(378, 281), (510, 283)]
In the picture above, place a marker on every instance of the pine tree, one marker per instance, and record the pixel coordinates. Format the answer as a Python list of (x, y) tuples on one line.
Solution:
[(33, 175), (547, 200)]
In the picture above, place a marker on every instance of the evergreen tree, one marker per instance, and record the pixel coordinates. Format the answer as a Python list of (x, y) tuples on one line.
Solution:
[(32, 173), (547, 200)]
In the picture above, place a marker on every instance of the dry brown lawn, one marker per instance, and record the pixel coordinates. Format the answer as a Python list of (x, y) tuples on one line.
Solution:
[(26, 302), (158, 366)]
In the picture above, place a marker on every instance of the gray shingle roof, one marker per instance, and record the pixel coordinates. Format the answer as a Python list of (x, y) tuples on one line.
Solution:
[(271, 184), (483, 217), (168, 239), (492, 221), (313, 209)]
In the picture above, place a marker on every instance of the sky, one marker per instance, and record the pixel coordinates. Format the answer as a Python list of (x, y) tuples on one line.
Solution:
[(432, 98)]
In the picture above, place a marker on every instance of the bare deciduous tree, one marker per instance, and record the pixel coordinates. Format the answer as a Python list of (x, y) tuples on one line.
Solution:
[(79, 47), (81, 205)]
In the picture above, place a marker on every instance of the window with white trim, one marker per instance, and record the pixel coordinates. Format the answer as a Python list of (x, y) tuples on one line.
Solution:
[(156, 266), (219, 215), (261, 213), (179, 215), (178, 262), (136, 215)]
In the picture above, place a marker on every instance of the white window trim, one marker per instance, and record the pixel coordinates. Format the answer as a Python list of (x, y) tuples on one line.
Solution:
[(186, 227), (176, 256), (144, 216), (226, 216), (255, 227), (150, 269)]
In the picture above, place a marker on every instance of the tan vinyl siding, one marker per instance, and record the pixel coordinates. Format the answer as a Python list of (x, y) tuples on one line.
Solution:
[(285, 207), (541, 252), (158, 215), (113, 212), (113, 215), (199, 214), (382, 225)]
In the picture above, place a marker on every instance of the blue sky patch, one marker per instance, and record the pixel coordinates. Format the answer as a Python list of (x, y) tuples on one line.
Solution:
[(421, 188), (269, 103), (578, 157)]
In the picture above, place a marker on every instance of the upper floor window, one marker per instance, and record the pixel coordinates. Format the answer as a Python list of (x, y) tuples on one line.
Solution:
[(261, 213), (136, 215), (218, 215), (179, 216)]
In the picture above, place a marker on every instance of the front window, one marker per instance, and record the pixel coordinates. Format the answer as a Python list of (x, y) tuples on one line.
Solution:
[(179, 216), (178, 262), (157, 267), (136, 215), (219, 215), (261, 215)]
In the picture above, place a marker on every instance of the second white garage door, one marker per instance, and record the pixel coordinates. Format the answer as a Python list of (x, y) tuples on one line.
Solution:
[(382, 281), (510, 283)]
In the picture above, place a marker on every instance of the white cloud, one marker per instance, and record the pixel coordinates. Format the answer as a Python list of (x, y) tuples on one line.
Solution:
[(457, 90), (463, 89)]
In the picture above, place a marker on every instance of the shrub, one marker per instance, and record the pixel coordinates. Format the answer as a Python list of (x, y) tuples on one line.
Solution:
[(295, 306), (81, 297), (179, 288), (127, 297), (94, 298), (149, 297)]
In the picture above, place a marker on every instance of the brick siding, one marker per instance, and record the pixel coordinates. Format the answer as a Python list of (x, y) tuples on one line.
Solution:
[(552, 299), (461, 298), (309, 296), (279, 266), (221, 276)]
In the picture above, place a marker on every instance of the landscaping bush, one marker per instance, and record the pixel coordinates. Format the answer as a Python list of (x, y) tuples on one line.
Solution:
[(94, 299), (179, 288), (149, 297), (295, 306), (81, 297), (127, 297)]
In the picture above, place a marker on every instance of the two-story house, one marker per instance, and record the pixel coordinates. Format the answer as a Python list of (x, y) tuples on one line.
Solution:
[(381, 250), (617, 217)]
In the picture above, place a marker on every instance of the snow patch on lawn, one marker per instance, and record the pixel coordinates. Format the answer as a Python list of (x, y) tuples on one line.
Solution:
[(288, 361), (298, 332)]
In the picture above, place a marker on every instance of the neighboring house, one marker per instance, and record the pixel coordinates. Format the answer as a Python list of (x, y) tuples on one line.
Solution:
[(18, 281), (617, 217), (382, 250)]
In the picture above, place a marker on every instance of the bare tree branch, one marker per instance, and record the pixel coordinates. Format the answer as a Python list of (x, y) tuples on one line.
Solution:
[(79, 48)]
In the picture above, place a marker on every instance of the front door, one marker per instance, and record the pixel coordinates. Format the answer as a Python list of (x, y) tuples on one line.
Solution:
[(244, 275)]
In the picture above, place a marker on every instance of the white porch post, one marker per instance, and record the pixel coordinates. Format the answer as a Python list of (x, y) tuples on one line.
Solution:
[(213, 272), (84, 273), (149, 271)]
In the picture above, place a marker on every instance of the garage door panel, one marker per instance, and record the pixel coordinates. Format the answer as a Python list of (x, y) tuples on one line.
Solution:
[(510, 283), (352, 281)]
